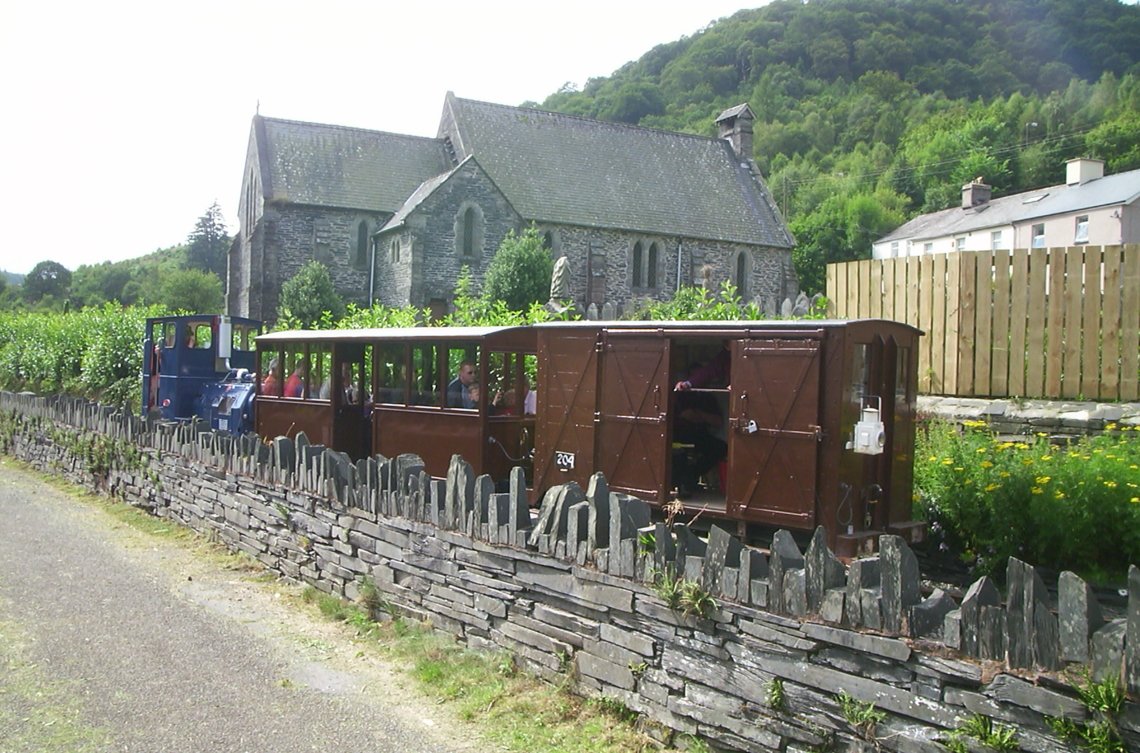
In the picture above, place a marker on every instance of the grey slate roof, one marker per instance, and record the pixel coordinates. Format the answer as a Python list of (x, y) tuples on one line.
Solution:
[(1121, 188), (347, 168), (564, 169)]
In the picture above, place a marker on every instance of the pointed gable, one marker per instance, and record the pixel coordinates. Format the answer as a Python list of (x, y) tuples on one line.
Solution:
[(564, 169)]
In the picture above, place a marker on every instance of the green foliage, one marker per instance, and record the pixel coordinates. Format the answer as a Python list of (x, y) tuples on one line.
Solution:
[(693, 302), (775, 697), (192, 291), (306, 297), (208, 244), (48, 279), (863, 717), (1104, 701), (680, 595), (519, 274), (989, 733), (1074, 507), (96, 352), (895, 104)]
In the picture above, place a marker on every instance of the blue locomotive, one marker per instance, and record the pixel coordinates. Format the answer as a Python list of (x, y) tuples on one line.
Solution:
[(201, 366)]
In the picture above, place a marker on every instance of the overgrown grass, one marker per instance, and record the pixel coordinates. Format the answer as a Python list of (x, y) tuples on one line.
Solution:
[(1074, 506), (511, 707)]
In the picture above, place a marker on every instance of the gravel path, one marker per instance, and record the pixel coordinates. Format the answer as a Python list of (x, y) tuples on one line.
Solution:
[(113, 640)]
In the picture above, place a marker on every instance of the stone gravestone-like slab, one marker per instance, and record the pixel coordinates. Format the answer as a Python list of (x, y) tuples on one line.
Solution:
[(900, 582), (823, 570), (723, 551), (981, 594), (627, 516), (1080, 616), (598, 522), (519, 506), (862, 575), (1032, 634), (928, 616), (555, 511), (1107, 652), (784, 557), (460, 489)]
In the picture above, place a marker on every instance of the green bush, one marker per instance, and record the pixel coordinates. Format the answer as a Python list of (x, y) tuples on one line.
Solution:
[(1074, 506)]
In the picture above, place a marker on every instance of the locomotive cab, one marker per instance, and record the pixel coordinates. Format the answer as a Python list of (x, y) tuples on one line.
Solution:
[(186, 361)]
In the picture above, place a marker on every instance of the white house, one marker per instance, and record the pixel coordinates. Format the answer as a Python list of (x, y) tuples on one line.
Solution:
[(1090, 208)]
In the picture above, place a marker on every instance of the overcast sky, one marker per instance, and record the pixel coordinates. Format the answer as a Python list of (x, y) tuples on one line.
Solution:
[(124, 121)]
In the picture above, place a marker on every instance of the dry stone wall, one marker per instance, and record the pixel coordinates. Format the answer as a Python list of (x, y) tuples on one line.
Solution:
[(793, 644)]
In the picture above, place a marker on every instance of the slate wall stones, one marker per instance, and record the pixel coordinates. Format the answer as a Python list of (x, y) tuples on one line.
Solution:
[(569, 591)]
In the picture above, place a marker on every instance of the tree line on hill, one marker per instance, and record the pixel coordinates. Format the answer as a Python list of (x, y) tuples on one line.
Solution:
[(188, 277), (868, 113), (872, 111)]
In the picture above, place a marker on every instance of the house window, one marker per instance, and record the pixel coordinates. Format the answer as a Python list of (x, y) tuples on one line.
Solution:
[(960, 243), (928, 247), (995, 240), (362, 244), (894, 249), (1038, 234), (1082, 233), (469, 232)]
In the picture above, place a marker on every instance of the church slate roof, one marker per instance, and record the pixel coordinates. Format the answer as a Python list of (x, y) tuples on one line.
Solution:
[(565, 169), (346, 168)]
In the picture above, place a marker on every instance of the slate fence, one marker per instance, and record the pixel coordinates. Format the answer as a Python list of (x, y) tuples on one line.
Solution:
[(570, 592)]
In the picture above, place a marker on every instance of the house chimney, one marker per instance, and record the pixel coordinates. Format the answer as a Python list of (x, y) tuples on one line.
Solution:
[(975, 193), (1082, 170), (736, 126)]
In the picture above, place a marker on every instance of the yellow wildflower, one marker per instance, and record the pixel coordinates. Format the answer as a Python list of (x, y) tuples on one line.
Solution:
[(1042, 480), (1037, 490), (1110, 484), (987, 464)]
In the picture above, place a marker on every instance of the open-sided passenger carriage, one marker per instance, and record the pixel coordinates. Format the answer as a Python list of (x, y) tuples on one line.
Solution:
[(393, 391)]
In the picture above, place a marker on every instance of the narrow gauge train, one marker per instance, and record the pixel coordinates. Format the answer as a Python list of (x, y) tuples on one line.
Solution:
[(200, 366), (805, 423)]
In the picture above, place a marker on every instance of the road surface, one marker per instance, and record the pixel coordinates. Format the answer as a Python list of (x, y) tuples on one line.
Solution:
[(115, 640)]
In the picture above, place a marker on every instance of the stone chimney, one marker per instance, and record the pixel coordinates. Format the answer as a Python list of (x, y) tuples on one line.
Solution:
[(975, 193), (735, 125), (1082, 170)]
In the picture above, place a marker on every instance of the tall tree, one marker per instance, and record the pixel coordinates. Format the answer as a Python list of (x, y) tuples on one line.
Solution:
[(209, 243), (48, 278), (192, 290)]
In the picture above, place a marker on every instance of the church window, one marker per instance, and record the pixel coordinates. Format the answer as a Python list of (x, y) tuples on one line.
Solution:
[(469, 232), (361, 260), (644, 263), (742, 274)]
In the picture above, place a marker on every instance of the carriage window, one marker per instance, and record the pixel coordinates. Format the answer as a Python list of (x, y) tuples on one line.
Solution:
[(530, 388), (243, 337), (271, 375), (297, 368), (391, 373), (198, 335), (505, 380), (320, 372), (463, 388), (426, 384), (169, 333)]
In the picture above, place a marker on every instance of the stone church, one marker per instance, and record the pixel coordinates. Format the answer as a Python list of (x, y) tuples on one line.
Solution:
[(636, 211)]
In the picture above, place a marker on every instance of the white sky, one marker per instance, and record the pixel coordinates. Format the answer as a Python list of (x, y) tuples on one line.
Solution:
[(125, 120)]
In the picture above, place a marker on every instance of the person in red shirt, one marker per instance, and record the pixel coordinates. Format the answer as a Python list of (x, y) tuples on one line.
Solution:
[(295, 384)]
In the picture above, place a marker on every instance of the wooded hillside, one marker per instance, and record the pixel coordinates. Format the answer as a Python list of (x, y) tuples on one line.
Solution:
[(872, 111)]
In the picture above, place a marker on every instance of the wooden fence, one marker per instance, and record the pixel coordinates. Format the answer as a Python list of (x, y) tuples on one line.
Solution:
[(1039, 323)]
